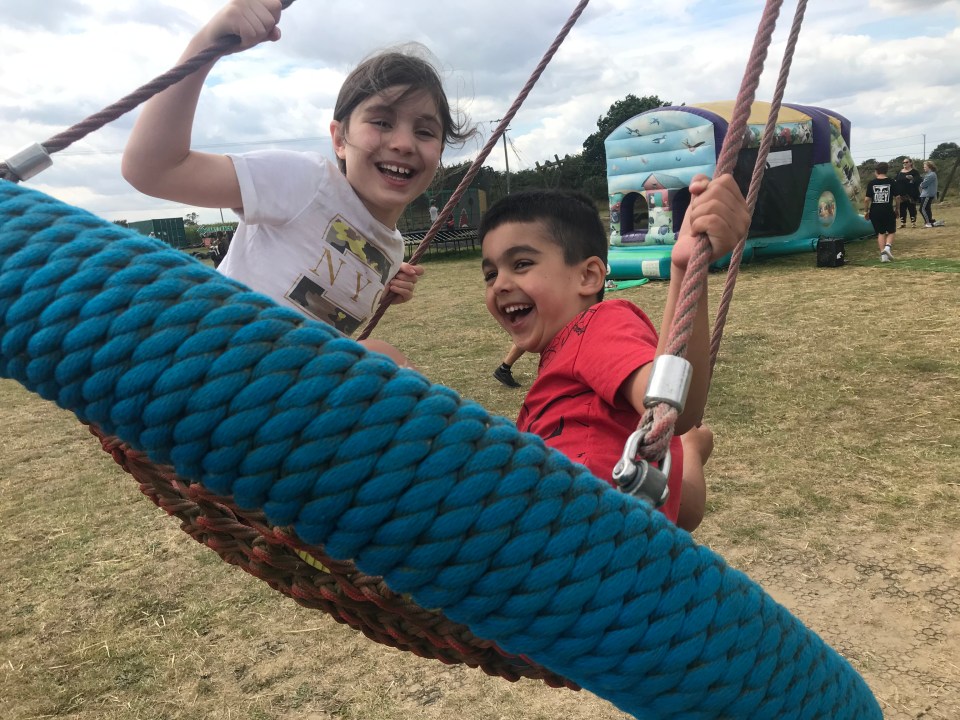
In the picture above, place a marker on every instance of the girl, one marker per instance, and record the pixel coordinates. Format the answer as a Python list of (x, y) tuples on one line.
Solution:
[(928, 193), (318, 237)]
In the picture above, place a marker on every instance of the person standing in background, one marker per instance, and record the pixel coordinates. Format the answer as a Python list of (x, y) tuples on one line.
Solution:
[(879, 205), (907, 189), (928, 193)]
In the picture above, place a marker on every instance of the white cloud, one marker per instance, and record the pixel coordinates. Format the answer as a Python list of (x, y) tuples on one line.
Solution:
[(892, 70)]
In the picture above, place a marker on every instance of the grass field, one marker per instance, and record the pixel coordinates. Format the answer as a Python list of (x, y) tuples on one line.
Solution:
[(835, 484)]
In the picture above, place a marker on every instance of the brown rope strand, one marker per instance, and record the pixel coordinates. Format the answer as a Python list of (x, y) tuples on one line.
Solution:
[(474, 168), (659, 426), (127, 103), (756, 180), (121, 107)]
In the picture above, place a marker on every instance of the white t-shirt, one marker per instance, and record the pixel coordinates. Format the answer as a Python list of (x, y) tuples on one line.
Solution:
[(307, 241)]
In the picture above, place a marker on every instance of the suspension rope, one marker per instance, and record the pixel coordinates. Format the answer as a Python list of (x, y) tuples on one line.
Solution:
[(370, 462), (474, 168), (657, 423), (121, 107), (765, 143)]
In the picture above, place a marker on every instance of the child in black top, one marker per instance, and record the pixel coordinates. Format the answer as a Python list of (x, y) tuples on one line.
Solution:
[(879, 205)]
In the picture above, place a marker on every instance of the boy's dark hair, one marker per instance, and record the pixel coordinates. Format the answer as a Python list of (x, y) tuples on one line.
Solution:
[(405, 65), (569, 217), (881, 168)]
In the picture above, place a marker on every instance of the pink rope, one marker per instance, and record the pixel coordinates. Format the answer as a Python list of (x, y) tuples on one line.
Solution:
[(127, 103), (755, 181), (658, 422), (471, 173)]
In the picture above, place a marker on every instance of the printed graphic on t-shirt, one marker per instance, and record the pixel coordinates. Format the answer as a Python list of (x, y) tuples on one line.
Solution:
[(882, 192), (345, 286), (578, 326)]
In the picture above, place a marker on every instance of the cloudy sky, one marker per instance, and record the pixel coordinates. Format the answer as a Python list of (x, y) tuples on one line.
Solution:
[(891, 66)]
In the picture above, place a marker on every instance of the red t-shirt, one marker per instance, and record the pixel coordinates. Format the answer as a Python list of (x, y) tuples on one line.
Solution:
[(575, 405)]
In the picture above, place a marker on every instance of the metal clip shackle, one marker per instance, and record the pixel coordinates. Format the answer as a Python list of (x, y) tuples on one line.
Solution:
[(636, 476)]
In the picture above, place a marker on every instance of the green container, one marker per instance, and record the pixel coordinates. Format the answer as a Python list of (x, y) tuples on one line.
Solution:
[(170, 230)]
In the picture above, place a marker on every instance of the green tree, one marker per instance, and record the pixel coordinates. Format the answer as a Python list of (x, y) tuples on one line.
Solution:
[(594, 156), (191, 219), (945, 151)]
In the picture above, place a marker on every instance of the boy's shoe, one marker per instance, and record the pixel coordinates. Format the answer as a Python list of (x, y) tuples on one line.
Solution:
[(914, 224), (506, 377), (938, 223), (903, 224), (928, 225), (886, 255)]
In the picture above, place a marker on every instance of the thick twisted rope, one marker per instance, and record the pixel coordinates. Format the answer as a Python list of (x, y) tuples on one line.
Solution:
[(474, 168), (411, 482), (658, 421)]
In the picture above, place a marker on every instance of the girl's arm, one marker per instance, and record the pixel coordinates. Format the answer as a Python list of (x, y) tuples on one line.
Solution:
[(158, 160)]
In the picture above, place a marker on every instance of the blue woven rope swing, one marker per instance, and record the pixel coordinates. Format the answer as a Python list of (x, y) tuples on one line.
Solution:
[(374, 464)]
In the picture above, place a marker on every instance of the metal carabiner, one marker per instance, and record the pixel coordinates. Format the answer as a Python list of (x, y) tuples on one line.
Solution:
[(635, 476)]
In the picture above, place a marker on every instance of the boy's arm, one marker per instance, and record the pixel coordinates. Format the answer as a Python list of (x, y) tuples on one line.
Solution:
[(719, 210), (158, 160)]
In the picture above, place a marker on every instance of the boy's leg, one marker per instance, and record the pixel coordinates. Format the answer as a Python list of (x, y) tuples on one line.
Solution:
[(697, 446), (886, 239), (504, 373)]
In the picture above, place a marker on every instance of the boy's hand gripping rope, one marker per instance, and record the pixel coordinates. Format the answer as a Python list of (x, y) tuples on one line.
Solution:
[(652, 438)]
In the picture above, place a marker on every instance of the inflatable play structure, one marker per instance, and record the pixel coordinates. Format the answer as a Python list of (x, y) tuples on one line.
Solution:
[(811, 188)]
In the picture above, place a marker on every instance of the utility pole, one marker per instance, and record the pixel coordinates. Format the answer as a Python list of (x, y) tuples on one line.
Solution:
[(506, 159)]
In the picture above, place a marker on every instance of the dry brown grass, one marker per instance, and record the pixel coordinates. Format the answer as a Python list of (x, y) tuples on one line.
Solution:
[(834, 484)]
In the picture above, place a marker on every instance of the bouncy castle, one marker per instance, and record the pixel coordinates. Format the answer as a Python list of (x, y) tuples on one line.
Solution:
[(811, 188)]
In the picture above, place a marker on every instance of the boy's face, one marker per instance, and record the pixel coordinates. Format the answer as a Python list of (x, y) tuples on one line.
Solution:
[(531, 291)]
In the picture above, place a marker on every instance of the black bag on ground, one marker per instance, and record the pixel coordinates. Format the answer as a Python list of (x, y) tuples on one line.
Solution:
[(830, 252)]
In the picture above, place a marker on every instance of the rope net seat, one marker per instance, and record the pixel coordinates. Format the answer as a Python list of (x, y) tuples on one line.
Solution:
[(280, 433), (312, 578), (361, 489)]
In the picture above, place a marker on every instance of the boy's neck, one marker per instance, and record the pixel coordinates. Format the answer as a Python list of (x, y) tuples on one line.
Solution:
[(585, 305)]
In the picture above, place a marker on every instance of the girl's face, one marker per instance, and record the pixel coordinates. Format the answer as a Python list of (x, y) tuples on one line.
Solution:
[(391, 146)]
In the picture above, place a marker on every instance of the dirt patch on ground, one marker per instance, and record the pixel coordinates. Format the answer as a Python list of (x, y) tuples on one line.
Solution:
[(891, 607)]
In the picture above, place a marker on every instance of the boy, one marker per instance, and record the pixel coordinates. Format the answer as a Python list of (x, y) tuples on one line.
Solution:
[(879, 209), (544, 265)]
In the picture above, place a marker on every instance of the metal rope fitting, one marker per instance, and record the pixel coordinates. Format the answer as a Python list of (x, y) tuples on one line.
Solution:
[(669, 382), (29, 162), (635, 476)]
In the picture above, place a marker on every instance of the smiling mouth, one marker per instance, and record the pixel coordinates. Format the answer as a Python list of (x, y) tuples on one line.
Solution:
[(516, 312), (395, 172)]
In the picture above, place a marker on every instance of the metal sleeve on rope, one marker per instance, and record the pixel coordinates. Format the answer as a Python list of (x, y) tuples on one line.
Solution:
[(669, 382), (30, 161)]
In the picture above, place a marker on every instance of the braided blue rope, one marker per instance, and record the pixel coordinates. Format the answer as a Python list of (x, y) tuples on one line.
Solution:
[(405, 478)]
